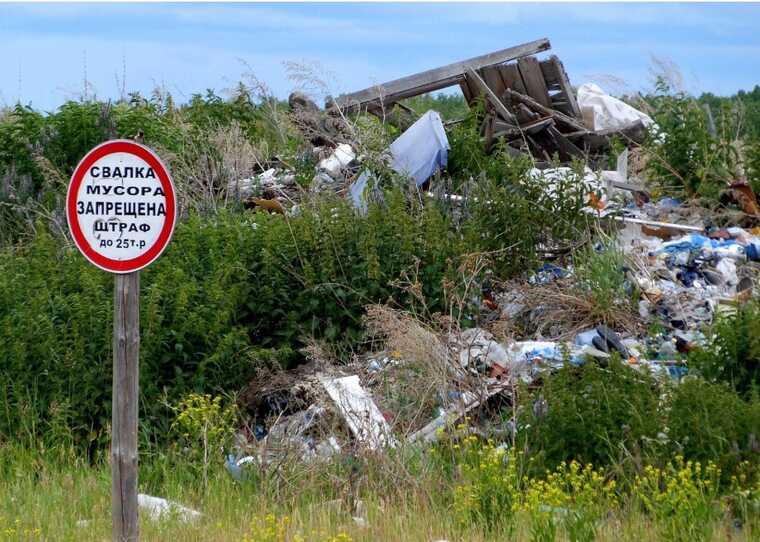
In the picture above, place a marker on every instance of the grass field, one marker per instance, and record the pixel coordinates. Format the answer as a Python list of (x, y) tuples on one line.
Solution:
[(59, 500)]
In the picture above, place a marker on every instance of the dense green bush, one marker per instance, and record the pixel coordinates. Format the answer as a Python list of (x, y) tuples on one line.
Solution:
[(508, 212), (623, 417), (710, 422), (684, 156), (515, 218), (732, 354), (231, 293), (55, 327), (592, 414), (199, 140)]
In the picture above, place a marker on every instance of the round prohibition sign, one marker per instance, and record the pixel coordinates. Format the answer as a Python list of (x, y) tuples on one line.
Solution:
[(121, 206)]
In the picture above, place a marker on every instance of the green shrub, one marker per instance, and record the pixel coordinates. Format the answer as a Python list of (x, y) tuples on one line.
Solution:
[(601, 279), (199, 140), (710, 422), (733, 351), (513, 216), (684, 156), (751, 161), (55, 327), (593, 415), (230, 294)]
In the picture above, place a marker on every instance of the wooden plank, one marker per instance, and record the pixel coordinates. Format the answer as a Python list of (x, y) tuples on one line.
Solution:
[(466, 91), (511, 77), (564, 83), (488, 134), (524, 114), (567, 148), (501, 109), (437, 78), (126, 376), (549, 69), (533, 78), (535, 106), (453, 122), (560, 103), (511, 132), (492, 78), (475, 91), (500, 126), (537, 126), (634, 133)]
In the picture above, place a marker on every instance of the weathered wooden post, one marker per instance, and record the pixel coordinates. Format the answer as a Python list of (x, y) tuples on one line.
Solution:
[(121, 208), (126, 378)]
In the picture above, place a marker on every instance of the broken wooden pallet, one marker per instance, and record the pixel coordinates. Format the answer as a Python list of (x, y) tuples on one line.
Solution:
[(421, 83)]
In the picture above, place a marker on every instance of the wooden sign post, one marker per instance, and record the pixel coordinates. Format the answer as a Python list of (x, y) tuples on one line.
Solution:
[(126, 378), (121, 208)]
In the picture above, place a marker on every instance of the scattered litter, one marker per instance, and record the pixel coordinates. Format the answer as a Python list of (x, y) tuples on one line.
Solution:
[(360, 522), (338, 160), (359, 411), (480, 350), (158, 508), (682, 264)]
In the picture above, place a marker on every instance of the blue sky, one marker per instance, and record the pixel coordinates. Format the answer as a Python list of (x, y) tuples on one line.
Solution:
[(45, 49)]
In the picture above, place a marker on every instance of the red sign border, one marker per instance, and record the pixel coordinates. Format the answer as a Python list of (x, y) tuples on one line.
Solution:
[(150, 255)]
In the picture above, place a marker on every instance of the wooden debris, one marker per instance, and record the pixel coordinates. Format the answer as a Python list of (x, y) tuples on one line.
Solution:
[(554, 71), (529, 102), (435, 79), (537, 107), (495, 102), (533, 79)]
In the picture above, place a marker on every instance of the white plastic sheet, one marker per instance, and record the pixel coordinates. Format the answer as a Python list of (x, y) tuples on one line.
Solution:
[(602, 111), (418, 153), (422, 149)]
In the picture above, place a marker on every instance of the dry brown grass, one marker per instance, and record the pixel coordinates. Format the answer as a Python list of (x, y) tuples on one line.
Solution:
[(565, 311), (203, 170)]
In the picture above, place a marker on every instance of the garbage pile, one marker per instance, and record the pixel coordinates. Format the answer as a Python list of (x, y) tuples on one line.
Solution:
[(686, 265), (425, 380), (528, 101)]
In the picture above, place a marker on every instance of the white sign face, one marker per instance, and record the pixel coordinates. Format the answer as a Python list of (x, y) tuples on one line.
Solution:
[(121, 206)]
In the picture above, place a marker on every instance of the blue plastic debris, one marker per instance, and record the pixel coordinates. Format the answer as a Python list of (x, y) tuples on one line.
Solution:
[(753, 251), (585, 338), (669, 202), (259, 432), (694, 242), (233, 468), (547, 273)]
